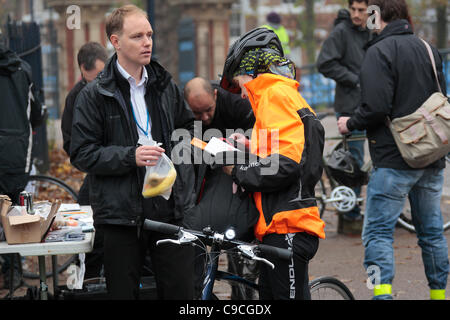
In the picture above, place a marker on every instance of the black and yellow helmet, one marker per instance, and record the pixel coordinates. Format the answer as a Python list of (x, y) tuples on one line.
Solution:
[(262, 38)]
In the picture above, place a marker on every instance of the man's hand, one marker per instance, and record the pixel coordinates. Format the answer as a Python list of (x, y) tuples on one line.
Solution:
[(342, 125), (240, 138), (228, 169), (148, 155)]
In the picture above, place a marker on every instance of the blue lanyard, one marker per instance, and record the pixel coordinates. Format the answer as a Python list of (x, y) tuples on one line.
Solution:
[(146, 132)]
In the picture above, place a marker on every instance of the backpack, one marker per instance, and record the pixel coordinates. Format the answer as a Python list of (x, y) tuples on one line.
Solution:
[(220, 208)]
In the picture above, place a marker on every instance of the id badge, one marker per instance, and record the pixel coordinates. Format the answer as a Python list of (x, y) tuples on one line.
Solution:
[(144, 141)]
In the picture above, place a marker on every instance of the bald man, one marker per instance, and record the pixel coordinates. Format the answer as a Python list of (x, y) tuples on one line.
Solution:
[(217, 108)]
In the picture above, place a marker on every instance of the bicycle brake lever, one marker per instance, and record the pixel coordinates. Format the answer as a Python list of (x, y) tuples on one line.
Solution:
[(167, 241), (270, 264), (183, 238), (247, 251)]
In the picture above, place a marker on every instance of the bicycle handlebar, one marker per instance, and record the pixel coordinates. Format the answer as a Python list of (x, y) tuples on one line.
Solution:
[(161, 227), (167, 228), (275, 252)]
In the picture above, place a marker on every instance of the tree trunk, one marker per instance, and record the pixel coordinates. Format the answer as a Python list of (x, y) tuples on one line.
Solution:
[(441, 25), (308, 25)]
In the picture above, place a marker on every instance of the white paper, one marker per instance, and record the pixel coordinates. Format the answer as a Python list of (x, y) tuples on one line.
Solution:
[(215, 146), (69, 207)]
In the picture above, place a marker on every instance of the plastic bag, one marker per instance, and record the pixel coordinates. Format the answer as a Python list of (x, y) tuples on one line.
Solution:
[(159, 179)]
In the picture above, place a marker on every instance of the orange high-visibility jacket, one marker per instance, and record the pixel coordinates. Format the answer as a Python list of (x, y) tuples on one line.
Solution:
[(288, 139)]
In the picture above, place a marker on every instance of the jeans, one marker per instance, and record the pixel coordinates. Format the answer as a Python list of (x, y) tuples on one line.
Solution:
[(356, 148), (386, 195)]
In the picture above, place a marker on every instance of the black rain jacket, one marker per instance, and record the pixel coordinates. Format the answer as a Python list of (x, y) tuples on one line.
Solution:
[(21, 111), (396, 79), (340, 59)]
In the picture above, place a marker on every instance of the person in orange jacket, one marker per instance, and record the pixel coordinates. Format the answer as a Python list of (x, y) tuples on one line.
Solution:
[(288, 140)]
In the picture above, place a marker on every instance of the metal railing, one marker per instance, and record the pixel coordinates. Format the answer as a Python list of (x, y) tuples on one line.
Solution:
[(319, 91)]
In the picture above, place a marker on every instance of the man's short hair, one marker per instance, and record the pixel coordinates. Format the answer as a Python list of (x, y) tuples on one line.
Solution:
[(89, 53), (350, 2), (114, 22), (392, 10)]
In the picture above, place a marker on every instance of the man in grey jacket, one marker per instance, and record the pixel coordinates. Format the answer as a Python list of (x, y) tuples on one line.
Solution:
[(340, 59)]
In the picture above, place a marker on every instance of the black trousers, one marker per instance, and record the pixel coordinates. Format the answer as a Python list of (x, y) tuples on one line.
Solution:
[(124, 255), (289, 279)]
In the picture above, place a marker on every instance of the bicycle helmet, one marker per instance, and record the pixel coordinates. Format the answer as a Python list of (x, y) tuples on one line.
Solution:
[(345, 169), (256, 38)]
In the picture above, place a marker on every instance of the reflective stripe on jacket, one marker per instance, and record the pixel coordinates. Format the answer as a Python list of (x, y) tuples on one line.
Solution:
[(288, 139)]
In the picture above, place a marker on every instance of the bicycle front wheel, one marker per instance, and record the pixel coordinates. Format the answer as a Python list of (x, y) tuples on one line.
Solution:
[(329, 288), (45, 188)]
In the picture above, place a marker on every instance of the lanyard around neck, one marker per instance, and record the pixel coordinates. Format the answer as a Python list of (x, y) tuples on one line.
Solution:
[(146, 132)]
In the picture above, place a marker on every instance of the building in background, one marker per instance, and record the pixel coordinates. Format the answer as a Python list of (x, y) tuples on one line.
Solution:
[(78, 22), (192, 37)]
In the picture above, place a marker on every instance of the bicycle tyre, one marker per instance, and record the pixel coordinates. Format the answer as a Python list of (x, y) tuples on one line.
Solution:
[(406, 223), (405, 220), (324, 288), (49, 188)]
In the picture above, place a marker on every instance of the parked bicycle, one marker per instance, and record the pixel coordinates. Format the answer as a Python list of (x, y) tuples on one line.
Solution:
[(324, 288)]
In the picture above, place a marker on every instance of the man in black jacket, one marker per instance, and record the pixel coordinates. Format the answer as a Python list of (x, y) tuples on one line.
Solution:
[(340, 59), (91, 59), (396, 79), (132, 100), (21, 112)]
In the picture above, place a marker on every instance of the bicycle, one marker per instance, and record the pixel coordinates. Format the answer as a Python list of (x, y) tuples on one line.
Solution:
[(321, 288), (341, 197), (344, 199)]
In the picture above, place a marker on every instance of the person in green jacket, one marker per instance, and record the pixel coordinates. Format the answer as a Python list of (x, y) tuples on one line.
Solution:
[(274, 24)]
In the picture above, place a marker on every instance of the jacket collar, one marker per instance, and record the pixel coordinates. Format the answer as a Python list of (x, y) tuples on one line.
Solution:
[(397, 27), (157, 77), (258, 86)]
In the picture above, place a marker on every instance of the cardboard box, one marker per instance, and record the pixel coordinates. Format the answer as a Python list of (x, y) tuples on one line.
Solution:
[(25, 228)]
